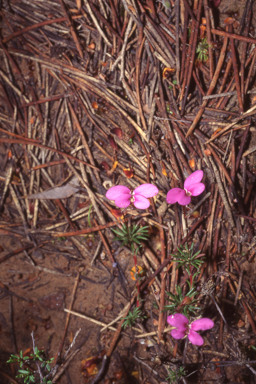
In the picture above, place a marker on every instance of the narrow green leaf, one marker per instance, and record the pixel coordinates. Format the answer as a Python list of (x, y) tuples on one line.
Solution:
[(89, 216)]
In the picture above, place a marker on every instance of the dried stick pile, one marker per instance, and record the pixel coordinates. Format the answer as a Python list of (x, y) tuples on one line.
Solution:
[(100, 93)]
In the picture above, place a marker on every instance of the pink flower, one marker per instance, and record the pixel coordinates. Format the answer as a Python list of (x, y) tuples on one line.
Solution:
[(124, 197), (192, 187), (216, 3), (183, 328)]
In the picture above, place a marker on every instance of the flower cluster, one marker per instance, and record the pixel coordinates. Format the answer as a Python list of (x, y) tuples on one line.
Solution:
[(123, 196), (183, 328)]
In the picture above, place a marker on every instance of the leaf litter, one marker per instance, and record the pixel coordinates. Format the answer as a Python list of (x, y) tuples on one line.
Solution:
[(58, 192), (128, 93)]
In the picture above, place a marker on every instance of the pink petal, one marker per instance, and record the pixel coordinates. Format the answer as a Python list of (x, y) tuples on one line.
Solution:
[(195, 339), (178, 334), (184, 199), (173, 195), (197, 189), (178, 320), (141, 202), (146, 190), (202, 324), (123, 201), (194, 178), (116, 191), (216, 3)]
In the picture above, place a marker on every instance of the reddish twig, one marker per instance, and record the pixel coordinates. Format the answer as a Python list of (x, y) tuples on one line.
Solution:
[(184, 47), (209, 37), (224, 80), (85, 231), (195, 27), (16, 252), (240, 152), (65, 213), (236, 72), (105, 243), (248, 313), (243, 56), (31, 27), (104, 21), (81, 133), (72, 29), (216, 235), (80, 270), (50, 164), (163, 281), (225, 284), (211, 88), (138, 64), (234, 36), (196, 78), (250, 72), (36, 144), (46, 99)]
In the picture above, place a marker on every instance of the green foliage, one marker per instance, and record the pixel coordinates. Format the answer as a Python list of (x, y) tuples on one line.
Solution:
[(202, 50), (26, 375), (133, 317), (175, 376), (166, 3), (168, 107), (29, 375), (130, 235), (180, 303), (185, 258), (61, 238), (89, 216)]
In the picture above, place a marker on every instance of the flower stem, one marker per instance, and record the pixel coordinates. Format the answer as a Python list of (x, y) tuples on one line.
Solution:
[(137, 282), (190, 276)]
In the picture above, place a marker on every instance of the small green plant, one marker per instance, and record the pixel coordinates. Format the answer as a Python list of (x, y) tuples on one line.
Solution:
[(186, 258), (130, 142), (166, 3), (202, 50), (133, 317), (168, 108), (89, 216), (130, 235), (175, 376), (29, 375), (63, 238), (180, 303)]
